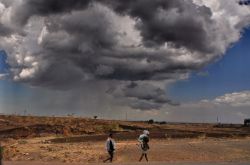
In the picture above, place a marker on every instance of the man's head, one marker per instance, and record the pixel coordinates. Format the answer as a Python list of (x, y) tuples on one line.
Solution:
[(110, 135)]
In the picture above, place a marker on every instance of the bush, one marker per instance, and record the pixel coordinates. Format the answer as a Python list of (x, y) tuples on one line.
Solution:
[(151, 121), (107, 128)]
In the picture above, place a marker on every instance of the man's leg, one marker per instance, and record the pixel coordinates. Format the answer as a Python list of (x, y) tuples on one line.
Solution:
[(141, 157), (146, 156), (107, 158), (111, 155)]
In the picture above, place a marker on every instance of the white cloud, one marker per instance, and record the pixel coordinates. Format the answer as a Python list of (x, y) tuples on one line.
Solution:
[(3, 76), (237, 99), (234, 100)]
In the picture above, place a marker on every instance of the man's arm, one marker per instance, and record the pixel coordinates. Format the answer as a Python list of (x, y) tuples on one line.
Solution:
[(107, 145)]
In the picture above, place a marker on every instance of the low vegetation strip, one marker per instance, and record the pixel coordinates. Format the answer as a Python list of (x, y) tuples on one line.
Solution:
[(76, 129), (154, 135)]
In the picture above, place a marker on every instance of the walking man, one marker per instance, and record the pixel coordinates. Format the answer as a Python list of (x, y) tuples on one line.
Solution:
[(110, 146), (144, 140)]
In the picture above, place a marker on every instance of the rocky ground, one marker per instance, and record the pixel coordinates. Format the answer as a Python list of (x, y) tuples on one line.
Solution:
[(75, 139), (168, 150)]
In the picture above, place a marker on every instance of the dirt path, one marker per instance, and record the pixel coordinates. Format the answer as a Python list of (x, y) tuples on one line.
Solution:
[(150, 163), (181, 150)]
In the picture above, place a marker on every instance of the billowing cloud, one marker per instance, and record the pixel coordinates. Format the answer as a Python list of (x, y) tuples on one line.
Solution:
[(143, 96), (64, 44), (236, 99)]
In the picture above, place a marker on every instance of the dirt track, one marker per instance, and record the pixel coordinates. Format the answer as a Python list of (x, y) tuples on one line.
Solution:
[(150, 163), (182, 150), (29, 138)]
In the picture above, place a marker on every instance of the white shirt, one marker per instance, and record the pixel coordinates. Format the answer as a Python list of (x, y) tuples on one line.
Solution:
[(108, 144)]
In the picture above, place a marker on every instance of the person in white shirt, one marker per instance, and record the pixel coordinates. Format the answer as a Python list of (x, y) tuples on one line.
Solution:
[(110, 147), (143, 140)]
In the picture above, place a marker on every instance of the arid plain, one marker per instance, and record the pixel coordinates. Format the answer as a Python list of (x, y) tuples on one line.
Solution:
[(76, 139)]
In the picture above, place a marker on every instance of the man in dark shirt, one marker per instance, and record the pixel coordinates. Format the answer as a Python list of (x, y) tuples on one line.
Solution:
[(110, 146)]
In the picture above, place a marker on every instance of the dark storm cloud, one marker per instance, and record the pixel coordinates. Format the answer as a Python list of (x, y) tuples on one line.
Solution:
[(44, 7), (146, 93), (66, 75), (4, 31), (159, 21), (143, 96), (78, 40), (180, 22), (92, 45), (68, 42), (74, 45), (8, 3), (144, 105)]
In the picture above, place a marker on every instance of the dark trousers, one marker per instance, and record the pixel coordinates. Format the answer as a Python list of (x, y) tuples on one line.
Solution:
[(111, 155)]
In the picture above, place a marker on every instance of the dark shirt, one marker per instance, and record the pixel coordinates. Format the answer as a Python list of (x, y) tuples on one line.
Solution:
[(1, 152)]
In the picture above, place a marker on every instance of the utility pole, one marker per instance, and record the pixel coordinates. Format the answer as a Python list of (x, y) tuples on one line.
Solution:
[(24, 112)]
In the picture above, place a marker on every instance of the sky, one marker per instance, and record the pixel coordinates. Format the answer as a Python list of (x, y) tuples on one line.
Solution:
[(227, 75), (175, 60)]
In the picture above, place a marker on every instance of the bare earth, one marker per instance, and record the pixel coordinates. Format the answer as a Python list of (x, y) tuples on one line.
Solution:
[(55, 140), (148, 163), (171, 150)]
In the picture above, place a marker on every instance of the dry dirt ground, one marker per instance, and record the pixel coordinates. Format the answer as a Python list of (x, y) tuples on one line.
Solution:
[(141, 163), (169, 150), (50, 139)]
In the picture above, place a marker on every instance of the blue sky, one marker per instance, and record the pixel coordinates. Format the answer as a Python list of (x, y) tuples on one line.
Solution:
[(229, 74)]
